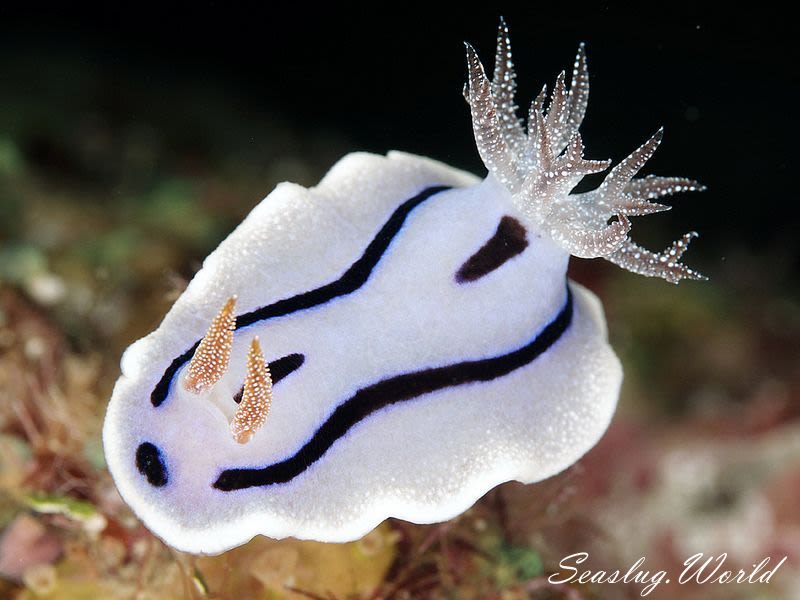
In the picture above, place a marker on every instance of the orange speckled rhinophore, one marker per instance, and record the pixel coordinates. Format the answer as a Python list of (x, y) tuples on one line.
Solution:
[(256, 397), (210, 360)]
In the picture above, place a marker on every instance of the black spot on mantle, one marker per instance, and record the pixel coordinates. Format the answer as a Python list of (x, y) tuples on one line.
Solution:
[(508, 241), (278, 369), (151, 464)]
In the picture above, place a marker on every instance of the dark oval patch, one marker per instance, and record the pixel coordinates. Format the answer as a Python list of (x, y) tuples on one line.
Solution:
[(508, 241), (151, 464), (279, 369)]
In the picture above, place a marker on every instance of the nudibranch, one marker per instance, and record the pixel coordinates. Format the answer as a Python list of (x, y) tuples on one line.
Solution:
[(393, 342)]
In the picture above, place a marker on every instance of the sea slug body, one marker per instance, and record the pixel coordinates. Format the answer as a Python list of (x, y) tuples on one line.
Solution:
[(392, 342)]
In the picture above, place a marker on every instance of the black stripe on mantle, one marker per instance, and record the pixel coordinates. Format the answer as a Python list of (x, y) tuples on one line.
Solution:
[(393, 390), (352, 279)]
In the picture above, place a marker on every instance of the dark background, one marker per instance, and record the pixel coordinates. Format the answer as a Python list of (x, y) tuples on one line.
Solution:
[(724, 84)]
